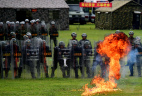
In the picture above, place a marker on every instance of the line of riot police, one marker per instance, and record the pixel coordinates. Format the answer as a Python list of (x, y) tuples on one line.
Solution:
[(24, 45)]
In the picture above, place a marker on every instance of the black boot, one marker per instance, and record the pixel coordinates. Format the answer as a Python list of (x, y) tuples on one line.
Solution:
[(19, 72), (52, 74)]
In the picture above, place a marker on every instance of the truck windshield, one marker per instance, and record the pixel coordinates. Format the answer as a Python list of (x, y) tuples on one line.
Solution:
[(74, 8), (86, 9)]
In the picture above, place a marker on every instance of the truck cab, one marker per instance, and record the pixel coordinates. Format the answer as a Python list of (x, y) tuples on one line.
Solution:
[(76, 14)]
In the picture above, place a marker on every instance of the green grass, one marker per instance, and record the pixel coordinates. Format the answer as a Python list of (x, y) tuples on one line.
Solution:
[(58, 86), (130, 86)]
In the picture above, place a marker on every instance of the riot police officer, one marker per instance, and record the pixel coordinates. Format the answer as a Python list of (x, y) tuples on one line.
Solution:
[(28, 55), (22, 30), (43, 30), (87, 52), (12, 35), (59, 51), (74, 54), (37, 25), (131, 38), (53, 32), (2, 49), (74, 35), (43, 49), (1, 31), (29, 35), (23, 58), (98, 60), (132, 58), (84, 38), (81, 44), (12, 48), (33, 28), (17, 25), (7, 30), (27, 25)]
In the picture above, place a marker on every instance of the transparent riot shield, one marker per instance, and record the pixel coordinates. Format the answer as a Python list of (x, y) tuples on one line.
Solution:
[(45, 56), (5, 60), (87, 54), (31, 59), (15, 55), (99, 63), (139, 63), (1, 59)]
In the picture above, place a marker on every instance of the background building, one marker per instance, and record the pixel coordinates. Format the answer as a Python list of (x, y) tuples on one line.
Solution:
[(47, 10), (124, 14)]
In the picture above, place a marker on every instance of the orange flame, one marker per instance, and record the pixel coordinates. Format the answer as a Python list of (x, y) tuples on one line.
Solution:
[(114, 46)]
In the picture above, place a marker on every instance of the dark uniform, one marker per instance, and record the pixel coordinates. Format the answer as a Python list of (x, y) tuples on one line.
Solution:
[(27, 25), (8, 29), (87, 52), (131, 38), (38, 26), (58, 57), (52, 31), (2, 49), (11, 48), (22, 30), (17, 30), (133, 58), (1, 31), (73, 38), (74, 54), (32, 29), (28, 54), (98, 60), (81, 44), (43, 30), (43, 49)]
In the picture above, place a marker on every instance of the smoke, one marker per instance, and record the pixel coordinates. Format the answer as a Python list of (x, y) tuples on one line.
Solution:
[(126, 61)]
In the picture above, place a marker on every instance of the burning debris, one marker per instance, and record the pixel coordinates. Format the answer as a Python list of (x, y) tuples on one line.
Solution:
[(114, 46)]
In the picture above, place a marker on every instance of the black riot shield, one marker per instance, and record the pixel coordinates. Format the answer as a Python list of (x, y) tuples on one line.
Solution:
[(61, 57), (1, 59)]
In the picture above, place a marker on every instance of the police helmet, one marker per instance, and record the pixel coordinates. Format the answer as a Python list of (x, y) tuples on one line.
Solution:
[(73, 34), (28, 41), (14, 40), (25, 37), (136, 42), (52, 22), (17, 22), (7, 22), (74, 42), (86, 43), (1, 23), (12, 23), (22, 22), (12, 34), (37, 20), (42, 24), (61, 43), (28, 34), (138, 38), (84, 35), (3, 43), (26, 20), (131, 33), (32, 21), (117, 31)]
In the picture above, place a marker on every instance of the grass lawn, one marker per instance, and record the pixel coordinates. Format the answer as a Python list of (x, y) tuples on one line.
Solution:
[(58, 86)]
